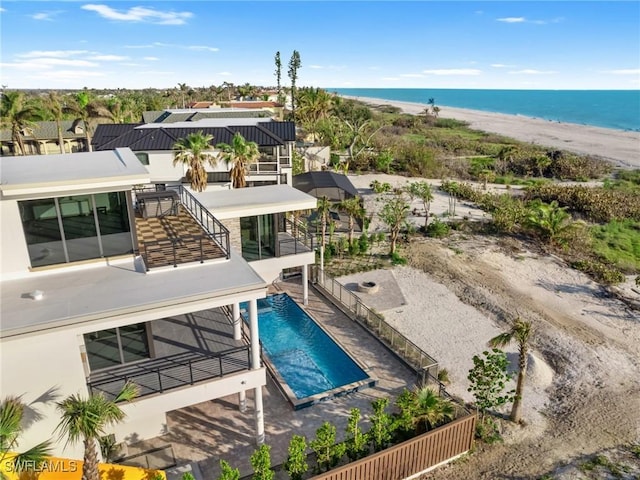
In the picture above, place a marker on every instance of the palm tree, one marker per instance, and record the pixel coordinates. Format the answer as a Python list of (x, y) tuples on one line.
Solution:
[(294, 65), (241, 154), (12, 411), (324, 207), (353, 208), (54, 105), (193, 151), (521, 331), (19, 116), (86, 112), (431, 409), (86, 419), (314, 105), (550, 220)]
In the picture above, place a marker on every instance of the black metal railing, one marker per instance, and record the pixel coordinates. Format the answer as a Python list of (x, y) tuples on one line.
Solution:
[(214, 228), (167, 373), (164, 253), (298, 239)]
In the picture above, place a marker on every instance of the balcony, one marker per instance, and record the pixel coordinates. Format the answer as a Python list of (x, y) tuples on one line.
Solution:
[(185, 349), (173, 228), (293, 239)]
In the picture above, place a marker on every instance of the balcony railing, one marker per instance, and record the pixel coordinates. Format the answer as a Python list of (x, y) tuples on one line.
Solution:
[(295, 239), (167, 373), (175, 250), (214, 228)]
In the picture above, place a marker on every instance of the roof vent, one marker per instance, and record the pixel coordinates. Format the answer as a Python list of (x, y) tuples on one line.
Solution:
[(37, 294)]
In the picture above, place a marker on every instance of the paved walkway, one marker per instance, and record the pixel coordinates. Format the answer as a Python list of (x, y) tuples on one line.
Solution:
[(208, 432)]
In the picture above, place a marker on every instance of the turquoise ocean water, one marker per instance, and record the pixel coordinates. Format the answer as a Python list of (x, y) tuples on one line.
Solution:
[(616, 109)]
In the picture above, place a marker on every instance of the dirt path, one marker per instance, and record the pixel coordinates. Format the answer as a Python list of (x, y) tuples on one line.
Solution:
[(592, 342)]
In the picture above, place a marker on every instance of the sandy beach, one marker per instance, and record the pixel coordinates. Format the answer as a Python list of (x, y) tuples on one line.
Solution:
[(619, 147)]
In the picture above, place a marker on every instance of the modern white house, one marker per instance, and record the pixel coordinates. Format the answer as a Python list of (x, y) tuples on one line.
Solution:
[(153, 145), (103, 283)]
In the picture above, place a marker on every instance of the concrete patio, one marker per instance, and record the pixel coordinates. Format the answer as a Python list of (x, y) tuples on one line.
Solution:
[(201, 435)]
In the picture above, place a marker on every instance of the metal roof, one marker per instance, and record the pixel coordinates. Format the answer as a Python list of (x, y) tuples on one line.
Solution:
[(47, 130), (334, 186)]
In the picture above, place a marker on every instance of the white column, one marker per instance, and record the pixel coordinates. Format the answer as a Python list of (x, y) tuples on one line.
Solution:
[(305, 284), (259, 416), (237, 325), (255, 336), (242, 400)]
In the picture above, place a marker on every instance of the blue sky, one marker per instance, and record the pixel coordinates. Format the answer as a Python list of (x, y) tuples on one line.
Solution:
[(417, 44)]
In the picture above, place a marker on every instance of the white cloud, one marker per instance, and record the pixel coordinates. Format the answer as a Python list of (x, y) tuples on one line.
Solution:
[(411, 75), (499, 65), (512, 19), (453, 71), (65, 62), (531, 71), (2, 9), (109, 58), (202, 48), (140, 14), (151, 59), (46, 15), (390, 79), (69, 74), (156, 72), (624, 71), (316, 67), (52, 53), (226, 74)]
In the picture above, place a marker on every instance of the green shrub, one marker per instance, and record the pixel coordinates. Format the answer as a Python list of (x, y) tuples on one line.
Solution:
[(363, 243), (296, 464), (438, 229), (397, 259), (618, 242), (227, 473), (261, 463), (599, 271)]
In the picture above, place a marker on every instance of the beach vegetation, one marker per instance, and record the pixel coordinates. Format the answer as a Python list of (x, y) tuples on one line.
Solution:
[(393, 213), (240, 154), (423, 192), (520, 332), (261, 463), (193, 151), (356, 440), (294, 65), (618, 243), (13, 416), (86, 419), (227, 472), (19, 115), (296, 464), (380, 432)]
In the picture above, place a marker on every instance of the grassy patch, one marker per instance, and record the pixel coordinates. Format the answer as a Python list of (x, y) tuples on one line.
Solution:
[(618, 242)]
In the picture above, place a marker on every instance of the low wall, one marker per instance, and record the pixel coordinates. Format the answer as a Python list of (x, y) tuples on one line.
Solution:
[(413, 457)]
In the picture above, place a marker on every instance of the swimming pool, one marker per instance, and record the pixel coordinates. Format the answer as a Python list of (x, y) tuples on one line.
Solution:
[(310, 364)]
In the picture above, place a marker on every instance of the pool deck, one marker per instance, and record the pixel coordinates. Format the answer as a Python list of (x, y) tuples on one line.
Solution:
[(204, 434)]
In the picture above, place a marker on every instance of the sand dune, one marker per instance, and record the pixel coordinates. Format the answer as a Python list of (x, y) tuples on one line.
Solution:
[(619, 147)]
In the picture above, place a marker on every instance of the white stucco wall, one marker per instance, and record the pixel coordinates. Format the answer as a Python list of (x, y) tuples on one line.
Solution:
[(161, 167), (35, 364), (14, 256), (271, 268)]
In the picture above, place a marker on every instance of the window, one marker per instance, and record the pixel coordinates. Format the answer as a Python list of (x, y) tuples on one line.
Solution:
[(258, 236), (76, 227), (143, 157), (117, 346)]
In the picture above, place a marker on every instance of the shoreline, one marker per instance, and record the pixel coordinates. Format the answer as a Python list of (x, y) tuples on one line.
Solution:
[(619, 147)]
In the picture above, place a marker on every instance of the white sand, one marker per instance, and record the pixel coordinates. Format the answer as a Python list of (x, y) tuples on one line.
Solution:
[(619, 147)]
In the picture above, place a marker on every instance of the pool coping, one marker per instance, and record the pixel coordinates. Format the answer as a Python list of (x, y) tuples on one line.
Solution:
[(300, 403)]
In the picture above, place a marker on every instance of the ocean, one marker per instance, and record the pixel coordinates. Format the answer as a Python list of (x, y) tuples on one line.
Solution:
[(615, 109)]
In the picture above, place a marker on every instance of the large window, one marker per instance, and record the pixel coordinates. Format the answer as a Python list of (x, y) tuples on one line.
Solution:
[(258, 237), (117, 346), (76, 227)]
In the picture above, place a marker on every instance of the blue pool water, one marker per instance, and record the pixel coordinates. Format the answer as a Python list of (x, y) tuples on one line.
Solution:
[(302, 353)]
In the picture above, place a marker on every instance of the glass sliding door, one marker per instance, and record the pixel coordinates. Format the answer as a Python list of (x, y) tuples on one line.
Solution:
[(258, 236), (113, 221), (42, 232), (117, 346), (76, 227), (79, 226)]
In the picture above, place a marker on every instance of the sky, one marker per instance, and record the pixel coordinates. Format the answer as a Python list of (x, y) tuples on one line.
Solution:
[(386, 44)]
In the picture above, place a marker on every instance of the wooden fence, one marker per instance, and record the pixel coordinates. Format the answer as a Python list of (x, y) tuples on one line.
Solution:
[(413, 457)]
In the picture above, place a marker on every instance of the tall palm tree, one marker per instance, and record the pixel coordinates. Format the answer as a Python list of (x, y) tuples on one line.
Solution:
[(314, 105), (352, 207), (521, 331), (324, 207), (87, 111), (19, 116), (12, 411), (193, 151), (241, 154), (86, 419), (53, 103)]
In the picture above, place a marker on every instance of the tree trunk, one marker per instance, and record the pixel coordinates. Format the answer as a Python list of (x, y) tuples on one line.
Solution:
[(517, 402), (351, 226), (323, 231), (60, 139), (90, 466)]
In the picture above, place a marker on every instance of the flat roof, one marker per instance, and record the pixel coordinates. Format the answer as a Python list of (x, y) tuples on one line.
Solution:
[(72, 297), (208, 122), (245, 202), (34, 174)]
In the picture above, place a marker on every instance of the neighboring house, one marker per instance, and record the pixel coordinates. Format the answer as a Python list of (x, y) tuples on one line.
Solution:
[(43, 139), (192, 115), (153, 144), (103, 283)]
